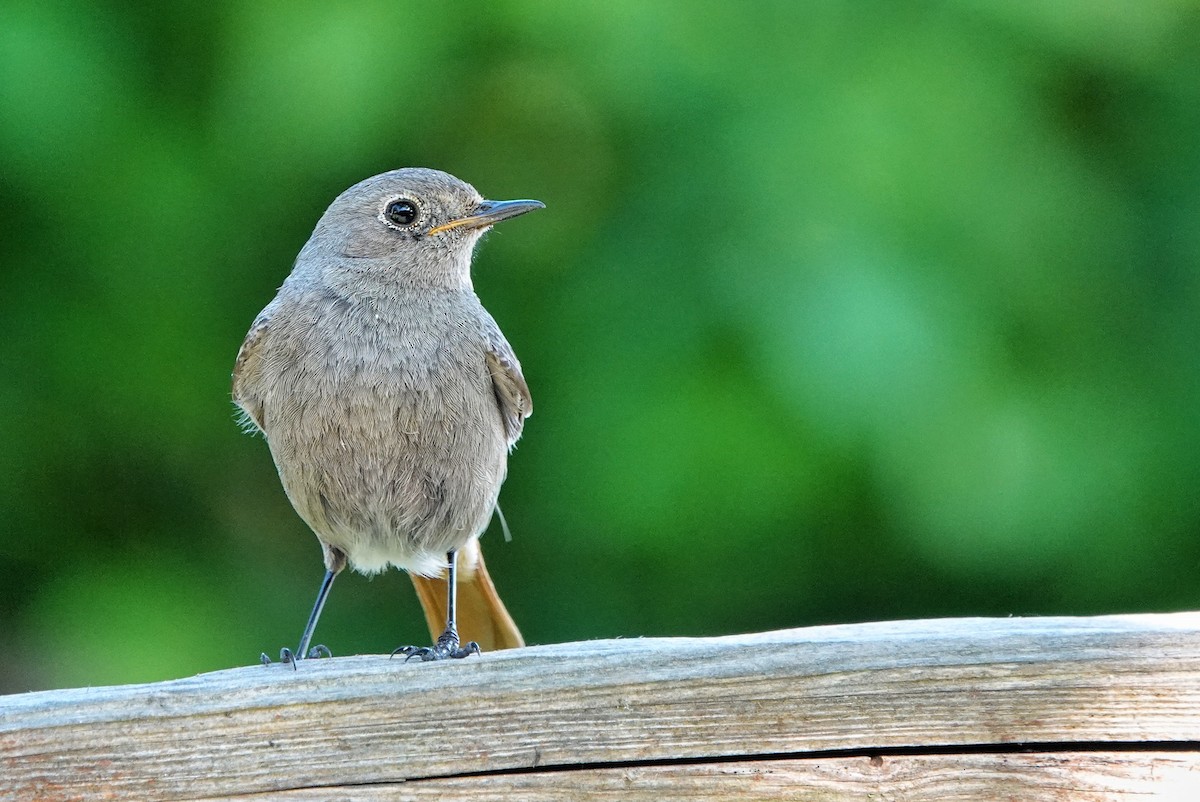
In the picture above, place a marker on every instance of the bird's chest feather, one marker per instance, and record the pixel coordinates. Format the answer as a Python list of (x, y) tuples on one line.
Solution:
[(410, 375)]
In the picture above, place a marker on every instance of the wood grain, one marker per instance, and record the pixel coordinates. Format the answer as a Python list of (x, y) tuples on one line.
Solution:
[(1086, 777), (754, 706)]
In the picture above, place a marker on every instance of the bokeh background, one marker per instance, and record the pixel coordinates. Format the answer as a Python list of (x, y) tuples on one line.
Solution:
[(839, 311)]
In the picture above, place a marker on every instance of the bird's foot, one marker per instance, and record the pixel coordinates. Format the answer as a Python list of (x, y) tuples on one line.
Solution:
[(287, 656), (447, 646)]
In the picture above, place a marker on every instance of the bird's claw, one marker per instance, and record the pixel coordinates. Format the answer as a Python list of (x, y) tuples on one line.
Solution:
[(287, 656), (447, 646)]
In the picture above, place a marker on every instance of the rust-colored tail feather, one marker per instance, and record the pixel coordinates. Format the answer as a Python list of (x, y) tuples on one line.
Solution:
[(482, 617)]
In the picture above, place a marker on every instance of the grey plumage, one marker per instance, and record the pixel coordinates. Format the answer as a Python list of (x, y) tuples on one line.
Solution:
[(387, 393)]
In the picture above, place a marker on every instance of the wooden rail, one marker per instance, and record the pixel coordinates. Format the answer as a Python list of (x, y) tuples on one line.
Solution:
[(990, 709)]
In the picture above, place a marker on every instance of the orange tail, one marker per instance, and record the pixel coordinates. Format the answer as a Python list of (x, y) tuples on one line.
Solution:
[(482, 617)]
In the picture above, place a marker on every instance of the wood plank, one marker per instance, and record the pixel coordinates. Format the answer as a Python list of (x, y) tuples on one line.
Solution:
[(863, 687), (1052, 777)]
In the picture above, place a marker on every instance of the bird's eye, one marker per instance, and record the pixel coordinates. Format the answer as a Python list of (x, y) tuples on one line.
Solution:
[(401, 212)]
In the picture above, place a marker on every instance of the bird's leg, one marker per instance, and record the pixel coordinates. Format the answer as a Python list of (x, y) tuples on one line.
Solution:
[(335, 562), (447, 644), (448, 640)]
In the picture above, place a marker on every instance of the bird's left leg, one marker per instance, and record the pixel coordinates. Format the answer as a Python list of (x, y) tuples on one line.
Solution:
[(447, 644)]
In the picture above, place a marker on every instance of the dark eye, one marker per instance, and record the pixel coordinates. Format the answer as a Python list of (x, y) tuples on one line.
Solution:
[(401, 212)]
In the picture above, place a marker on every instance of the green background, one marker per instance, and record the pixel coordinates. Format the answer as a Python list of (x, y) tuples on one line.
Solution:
[(838, 311)]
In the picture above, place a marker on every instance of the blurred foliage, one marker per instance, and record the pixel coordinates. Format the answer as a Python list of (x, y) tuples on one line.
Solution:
[(838, 311)]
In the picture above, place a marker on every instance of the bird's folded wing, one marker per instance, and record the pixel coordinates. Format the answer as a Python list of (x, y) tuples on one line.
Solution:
[(512, 393), (246, 370)]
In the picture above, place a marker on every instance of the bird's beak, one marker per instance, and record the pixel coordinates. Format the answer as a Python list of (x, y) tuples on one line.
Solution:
[(489, 213)]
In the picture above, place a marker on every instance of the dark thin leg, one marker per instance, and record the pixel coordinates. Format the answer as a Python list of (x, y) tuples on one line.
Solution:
[(451, 596), (311, 626), (285, 654), (447, 643)]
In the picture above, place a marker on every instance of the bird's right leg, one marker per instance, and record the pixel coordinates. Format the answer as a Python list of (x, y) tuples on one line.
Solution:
[(335, 561)]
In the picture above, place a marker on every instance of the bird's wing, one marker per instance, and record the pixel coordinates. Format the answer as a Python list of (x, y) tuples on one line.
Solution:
[(246, 373), (512, 393)]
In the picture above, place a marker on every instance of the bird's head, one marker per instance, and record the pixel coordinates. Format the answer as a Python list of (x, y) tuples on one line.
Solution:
[(413, 225)]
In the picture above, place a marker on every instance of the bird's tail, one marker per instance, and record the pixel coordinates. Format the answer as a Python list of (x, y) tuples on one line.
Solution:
[(482, 617)]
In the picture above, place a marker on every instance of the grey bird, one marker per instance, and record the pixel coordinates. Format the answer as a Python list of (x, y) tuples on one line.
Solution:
[(389, 397)]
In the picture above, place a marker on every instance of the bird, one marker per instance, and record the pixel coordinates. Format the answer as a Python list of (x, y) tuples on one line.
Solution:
[(390, 399)]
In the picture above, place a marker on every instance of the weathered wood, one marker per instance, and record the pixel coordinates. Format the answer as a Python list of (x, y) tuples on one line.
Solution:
[(1085, 777), (1113, 701)]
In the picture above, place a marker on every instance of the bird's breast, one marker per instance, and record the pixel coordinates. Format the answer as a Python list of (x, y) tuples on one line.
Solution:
[(385, 422), (418, 361)]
